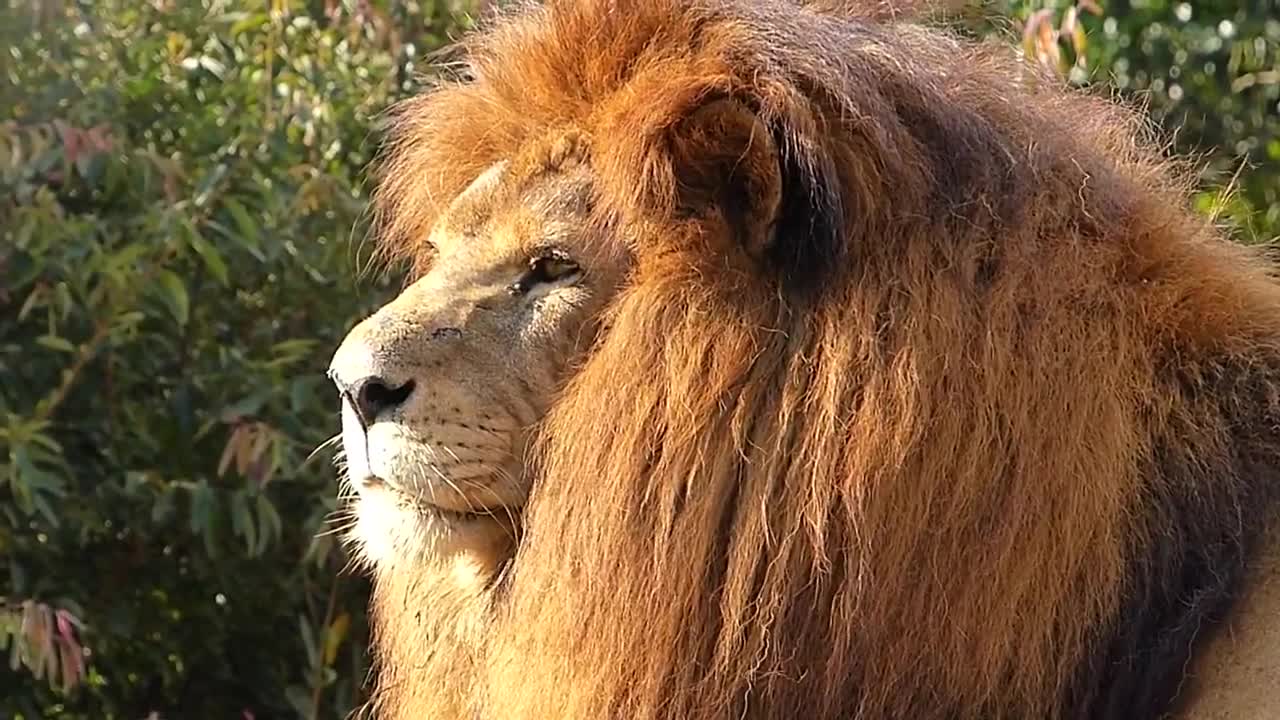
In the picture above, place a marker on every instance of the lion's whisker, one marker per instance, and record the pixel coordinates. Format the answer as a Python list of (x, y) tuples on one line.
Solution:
[(322, 446)]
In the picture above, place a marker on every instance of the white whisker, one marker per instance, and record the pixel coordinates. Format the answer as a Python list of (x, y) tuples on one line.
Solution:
[(327, 443)]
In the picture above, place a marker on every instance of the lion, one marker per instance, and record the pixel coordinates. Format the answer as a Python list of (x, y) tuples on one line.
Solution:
[(783, 360)]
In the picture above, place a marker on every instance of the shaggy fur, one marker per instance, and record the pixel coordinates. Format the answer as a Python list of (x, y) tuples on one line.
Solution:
[(976, 420)]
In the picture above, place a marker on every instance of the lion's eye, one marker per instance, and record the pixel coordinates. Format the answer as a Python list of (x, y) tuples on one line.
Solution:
[(545, 269)]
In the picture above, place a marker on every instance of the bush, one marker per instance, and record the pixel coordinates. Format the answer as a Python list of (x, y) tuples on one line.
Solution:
[(1208, 72), (179, 197)]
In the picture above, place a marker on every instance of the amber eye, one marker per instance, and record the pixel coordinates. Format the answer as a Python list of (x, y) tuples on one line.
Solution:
[(545, 269)]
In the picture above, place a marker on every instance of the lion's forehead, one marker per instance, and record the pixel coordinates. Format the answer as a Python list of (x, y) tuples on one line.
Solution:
[(517, 208)]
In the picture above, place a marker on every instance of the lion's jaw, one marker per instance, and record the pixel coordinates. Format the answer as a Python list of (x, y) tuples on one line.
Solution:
[(464, 362)]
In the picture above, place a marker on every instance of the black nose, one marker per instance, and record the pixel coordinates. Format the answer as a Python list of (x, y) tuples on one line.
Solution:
[(373, 395)]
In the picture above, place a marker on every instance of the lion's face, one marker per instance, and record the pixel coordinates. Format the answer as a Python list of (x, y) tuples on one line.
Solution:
[(441, 386)]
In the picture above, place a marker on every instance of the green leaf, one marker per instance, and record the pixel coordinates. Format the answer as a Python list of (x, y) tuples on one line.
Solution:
[(213, 65), (309, 642), (252, 22), (163, 508), (17, 577), (56, 343), (243, 524), (203, 504), (289, 352), (209, 183), (269, 523), (318, 549), (45, 441), (174, 294), (1079, 41), (15, 653), (300, 699), (21, 269), (34, 298), (249, 234), (128, 320), (294, 347), (247, 407), (126, 258), (42, 506), (65, 303), (333, 637), (135, 482), (213, 261), (33, 478), (302, 390)]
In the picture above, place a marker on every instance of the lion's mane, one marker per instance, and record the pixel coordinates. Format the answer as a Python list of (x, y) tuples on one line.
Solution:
[(984, 430)]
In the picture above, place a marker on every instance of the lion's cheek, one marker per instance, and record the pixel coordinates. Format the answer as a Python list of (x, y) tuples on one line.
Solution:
[(399, 459)]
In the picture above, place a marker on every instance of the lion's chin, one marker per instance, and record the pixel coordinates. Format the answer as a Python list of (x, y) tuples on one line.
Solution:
[(393, 528)]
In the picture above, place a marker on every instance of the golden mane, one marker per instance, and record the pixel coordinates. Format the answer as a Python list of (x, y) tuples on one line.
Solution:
[(959, 437)]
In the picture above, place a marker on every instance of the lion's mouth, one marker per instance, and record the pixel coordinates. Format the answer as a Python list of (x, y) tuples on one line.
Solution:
[(426, 506)]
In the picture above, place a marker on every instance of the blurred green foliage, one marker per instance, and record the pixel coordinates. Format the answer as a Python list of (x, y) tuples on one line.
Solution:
[(180, 224), (1208, 71), (180, 216)]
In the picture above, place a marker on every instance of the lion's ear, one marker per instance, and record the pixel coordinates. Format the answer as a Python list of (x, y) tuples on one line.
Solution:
[(784, 211), (725, 160)]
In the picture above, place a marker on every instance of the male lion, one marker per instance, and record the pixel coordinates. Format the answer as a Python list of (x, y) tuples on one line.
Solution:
[(778, 361)]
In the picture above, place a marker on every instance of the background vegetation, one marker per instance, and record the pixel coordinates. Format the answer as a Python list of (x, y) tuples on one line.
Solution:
[(179, 205), (180, 226)]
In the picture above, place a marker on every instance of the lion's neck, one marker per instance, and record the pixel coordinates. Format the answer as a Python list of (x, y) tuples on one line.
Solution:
[(430, 617)]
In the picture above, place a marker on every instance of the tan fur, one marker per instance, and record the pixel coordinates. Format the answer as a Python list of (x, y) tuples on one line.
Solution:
[(430, 623), (904, 480), (1237, 674)]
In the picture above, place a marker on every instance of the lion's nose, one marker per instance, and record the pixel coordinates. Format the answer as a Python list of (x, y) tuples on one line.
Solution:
[(372, 395)]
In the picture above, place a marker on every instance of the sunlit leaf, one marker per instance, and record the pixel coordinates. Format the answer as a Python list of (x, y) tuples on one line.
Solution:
[(248, 228), (212, 258), (31, 303), (231, 450), (213, 65), (249, 22), (334, 635), (174, 293), (56, 343), (210, 182)]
